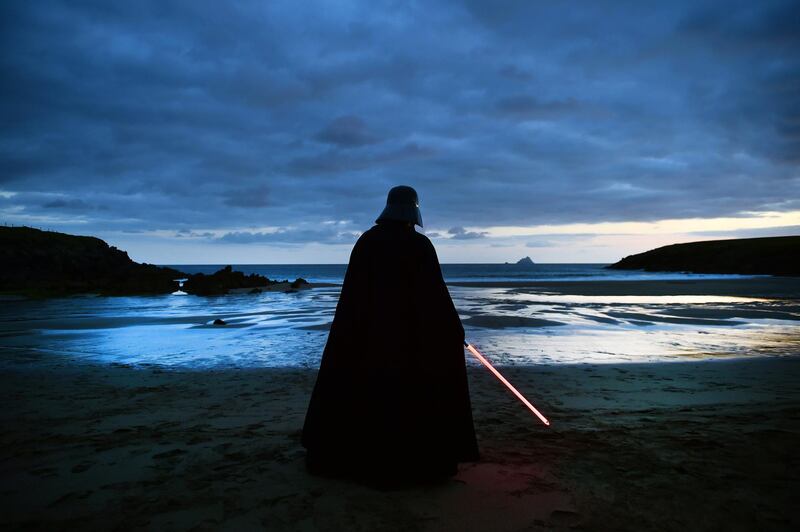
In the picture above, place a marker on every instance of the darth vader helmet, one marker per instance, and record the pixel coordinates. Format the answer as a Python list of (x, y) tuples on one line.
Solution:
[(402, 204)]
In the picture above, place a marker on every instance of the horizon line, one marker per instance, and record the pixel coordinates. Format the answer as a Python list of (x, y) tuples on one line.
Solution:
[(345, 263)]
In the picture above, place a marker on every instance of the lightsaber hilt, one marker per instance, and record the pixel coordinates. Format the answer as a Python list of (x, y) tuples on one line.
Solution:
[(502, 379)]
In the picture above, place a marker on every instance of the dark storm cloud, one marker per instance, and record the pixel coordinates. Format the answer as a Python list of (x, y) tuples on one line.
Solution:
[(188, 233), (248, 197), (202, 116), (290, 236), (524, 107), (459, 233), (70, 204), (347, 132)]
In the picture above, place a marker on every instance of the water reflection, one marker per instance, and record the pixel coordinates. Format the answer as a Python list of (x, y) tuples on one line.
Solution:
[(649, 299), (288, 329)]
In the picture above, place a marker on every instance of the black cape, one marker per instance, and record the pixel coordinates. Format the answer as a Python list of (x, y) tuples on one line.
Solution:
[(391, 398)]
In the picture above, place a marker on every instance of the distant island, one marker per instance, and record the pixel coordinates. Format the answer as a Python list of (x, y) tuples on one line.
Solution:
[(778, 255), (524, 261), (48, 263)]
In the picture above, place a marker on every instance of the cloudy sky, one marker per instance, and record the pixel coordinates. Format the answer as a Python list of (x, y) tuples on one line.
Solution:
[(268, 132)]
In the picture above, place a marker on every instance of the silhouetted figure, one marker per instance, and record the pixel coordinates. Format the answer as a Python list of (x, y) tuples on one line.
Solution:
[(391, 401)]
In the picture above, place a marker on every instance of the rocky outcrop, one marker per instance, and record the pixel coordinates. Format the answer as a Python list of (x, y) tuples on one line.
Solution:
[(49, 263), (223, 280), (298, 283), (750, 256), (524, 261)]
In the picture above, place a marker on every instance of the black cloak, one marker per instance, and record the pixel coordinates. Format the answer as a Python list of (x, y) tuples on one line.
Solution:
[(391, 398)]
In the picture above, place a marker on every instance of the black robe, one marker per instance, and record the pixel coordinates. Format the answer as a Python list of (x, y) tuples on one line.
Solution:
[(391, 398)]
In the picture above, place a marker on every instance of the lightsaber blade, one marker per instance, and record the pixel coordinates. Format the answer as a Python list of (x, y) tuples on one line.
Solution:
[(502, 379)]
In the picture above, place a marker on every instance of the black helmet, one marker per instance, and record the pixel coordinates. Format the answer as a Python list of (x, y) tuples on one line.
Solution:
[(402, 205)]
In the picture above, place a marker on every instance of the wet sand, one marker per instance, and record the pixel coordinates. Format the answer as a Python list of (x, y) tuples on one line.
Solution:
[(766, 287), (668, 446)]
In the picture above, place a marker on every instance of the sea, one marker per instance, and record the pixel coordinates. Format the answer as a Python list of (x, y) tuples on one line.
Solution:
[(512, 326), (334, 273)]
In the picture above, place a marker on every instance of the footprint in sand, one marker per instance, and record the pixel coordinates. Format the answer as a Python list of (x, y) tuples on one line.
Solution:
[(564, 518), (70, 497), (45, 472), (81, 467), (174, 453), (222, 447)]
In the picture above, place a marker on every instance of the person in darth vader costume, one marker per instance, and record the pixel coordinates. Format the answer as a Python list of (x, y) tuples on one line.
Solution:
[(391, 401)]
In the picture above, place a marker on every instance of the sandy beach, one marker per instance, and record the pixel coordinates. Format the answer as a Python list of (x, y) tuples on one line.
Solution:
[(701, 437), (691, 445), (232, 234)]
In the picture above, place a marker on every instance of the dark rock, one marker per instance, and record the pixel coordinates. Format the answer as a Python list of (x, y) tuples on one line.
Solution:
[(219, 322), (221, 281), (46, 263), (778, 255), (297, 283), (524, 261), (255, 291)]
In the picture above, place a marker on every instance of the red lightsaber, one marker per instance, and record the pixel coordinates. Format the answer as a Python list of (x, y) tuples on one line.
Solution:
[(497, 374)]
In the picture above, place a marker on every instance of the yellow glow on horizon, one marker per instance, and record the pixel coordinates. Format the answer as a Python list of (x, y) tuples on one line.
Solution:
[(760, 220)]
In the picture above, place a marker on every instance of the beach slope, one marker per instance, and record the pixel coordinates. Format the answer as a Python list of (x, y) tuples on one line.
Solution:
[(671, 446)]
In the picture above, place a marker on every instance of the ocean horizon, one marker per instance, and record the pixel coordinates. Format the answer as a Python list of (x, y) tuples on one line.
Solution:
[(464, 272)]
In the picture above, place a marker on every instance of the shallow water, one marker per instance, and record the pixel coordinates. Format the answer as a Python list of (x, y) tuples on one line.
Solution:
[(289, 330), (334, 273)]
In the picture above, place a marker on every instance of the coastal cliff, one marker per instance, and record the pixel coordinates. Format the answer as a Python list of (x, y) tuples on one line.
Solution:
[(47, 263), (50, 263), (748, 256)]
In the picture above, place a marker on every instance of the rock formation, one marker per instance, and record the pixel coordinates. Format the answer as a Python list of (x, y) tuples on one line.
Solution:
[(778, 255), (47, 263), (223, 280), (524, 261)]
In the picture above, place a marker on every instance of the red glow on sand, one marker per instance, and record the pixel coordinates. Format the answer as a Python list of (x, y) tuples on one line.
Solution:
[(508, 384)]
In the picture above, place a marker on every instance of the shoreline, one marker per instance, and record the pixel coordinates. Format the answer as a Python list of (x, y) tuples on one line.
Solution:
[(279, 286), (764, 287), (755, 287), (634, 446)]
